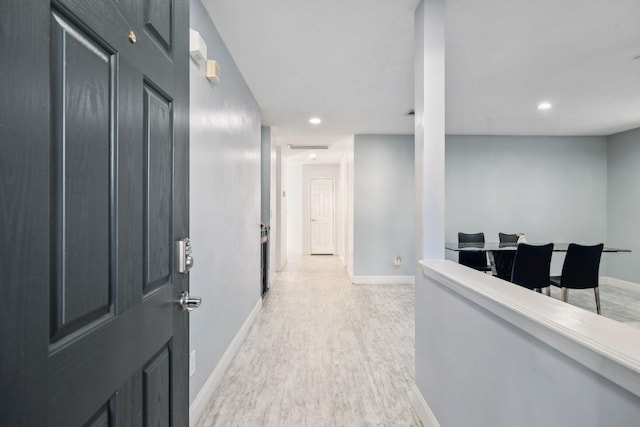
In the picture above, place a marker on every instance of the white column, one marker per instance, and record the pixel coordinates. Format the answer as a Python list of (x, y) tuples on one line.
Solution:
[(429, 128)]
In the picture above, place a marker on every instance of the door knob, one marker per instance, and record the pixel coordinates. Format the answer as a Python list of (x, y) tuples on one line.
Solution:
[(189, 303)]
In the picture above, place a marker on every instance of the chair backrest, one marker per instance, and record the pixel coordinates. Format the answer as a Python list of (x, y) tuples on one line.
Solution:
[(472, 259), (531, 265), (470, 237), (581, 266), (508, 238), (504, 259)]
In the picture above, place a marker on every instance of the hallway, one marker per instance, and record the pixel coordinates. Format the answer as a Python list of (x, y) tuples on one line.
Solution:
[(322, 352)]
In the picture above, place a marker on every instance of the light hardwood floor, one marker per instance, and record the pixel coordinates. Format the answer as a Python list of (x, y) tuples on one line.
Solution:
[(323, 352), (617, 303)]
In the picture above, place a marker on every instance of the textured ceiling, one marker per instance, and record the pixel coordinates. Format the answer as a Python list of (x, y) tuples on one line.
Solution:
[(350, 62)]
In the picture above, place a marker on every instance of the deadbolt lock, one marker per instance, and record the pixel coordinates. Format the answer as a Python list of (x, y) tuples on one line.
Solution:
[(185, 260)]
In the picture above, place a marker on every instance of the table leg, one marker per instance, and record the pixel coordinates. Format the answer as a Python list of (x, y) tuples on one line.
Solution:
[(492, 262)]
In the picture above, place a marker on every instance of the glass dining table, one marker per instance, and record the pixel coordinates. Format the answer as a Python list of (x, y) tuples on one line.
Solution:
[(491, 249)]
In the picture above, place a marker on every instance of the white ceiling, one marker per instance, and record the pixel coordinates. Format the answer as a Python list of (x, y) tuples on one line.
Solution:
[(350, 62)]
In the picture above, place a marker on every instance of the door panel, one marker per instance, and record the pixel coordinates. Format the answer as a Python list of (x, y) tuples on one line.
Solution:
[(102, 418), (322, 216), (158, 184), (94, 184), (127, 406), (158, 21), (86, 372), (130, 187), (157, 380), (81, 105)]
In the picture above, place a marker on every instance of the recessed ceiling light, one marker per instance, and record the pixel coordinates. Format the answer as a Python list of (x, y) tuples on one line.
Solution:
[(315, 121), (544, 106), (313, 156)]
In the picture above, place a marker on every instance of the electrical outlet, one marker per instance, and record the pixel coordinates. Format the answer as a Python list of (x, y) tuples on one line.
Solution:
[(192, 363), (397, 261)]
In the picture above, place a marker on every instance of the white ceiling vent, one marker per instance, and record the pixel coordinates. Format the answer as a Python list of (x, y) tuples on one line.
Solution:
[(308, 147)]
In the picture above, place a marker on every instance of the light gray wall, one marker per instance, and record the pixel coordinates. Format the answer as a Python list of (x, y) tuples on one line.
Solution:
[(384, 194), (265, 175), (550, 188), (623, 214), (474, 368), (225, 203)]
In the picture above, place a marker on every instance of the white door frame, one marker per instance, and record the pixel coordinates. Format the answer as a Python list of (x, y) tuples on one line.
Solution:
[(333, 213)]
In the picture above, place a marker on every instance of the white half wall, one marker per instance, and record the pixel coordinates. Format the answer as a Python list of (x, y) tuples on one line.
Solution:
[(489, 353)]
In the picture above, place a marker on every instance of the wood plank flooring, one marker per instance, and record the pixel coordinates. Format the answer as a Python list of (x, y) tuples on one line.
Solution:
[(616, 302), (323, 352)]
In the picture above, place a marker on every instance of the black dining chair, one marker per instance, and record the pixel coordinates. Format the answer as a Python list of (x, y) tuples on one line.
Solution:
[(476, 260), (508, 238), (580, 270), (504, 259), (531, 266)]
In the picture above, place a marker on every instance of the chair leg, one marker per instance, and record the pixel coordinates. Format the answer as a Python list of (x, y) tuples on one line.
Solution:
[(565, 296), (596, 291)]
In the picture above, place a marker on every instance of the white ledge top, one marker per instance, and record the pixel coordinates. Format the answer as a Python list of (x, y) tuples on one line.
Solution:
[(608, 347)]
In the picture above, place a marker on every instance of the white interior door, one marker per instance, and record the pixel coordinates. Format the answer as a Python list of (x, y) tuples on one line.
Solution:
[(322, 216)]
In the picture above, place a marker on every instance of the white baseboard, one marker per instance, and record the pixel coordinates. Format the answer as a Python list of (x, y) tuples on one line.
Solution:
[(422, 409), (383, 280), (206, 392), (619, 283)]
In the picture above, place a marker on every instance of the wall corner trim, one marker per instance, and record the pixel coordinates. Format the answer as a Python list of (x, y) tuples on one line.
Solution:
[(343, 260), (422, 408), (197, 408), (383, 280)]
